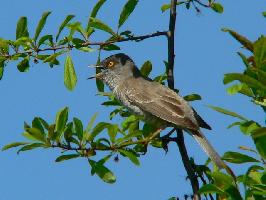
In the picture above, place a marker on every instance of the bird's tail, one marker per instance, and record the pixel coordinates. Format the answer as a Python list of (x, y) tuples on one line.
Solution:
[(210, 151)]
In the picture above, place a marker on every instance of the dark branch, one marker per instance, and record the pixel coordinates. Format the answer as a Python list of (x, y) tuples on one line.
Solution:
[(170, 79), (85, 44)]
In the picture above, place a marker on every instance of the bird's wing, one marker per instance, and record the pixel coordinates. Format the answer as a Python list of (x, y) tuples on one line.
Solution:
[(161, 102)]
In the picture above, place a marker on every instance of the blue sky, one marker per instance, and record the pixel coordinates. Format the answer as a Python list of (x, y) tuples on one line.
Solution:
[(203, 54)]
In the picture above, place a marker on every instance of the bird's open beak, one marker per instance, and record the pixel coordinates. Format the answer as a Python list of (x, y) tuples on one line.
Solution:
[(98, 75)]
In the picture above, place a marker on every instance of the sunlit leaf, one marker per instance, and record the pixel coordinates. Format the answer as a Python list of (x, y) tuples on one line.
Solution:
[(146, 68), (132, 157), (217, 7), (227, 112), (66, 157), (96, 23), (70, 77), (127, 10), (61, 120), (41, 24), (103, 172), (97, 130), (260, 53), (243, 40), (22, 28), (31, 146), (210, 189), (238, 158), (192, 97), (63, 25), (95, 11), (36, 134), (12, 145), (44, 38), (244, 79)]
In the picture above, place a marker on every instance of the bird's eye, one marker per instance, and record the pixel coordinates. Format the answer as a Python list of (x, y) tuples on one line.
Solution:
[(110, 64)]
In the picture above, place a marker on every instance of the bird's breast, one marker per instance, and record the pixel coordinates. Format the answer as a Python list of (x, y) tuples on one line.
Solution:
[(120, 95)]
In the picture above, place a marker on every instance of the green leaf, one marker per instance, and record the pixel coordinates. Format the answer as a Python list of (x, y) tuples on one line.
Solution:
[(61, 120), (132, 157), (238, 158), (95, 10), (66, 157), (24, 65), (36, 123), (63, 25), (217, 7), (70, 77), (248, 127), (112, 131), (222, 180), (98, 129), (45, 38), (36, 134), (78, 128), (99, 83), (146, 68), (227, 112), (22, 28), (12, 145), (243, 40), (264, 14), (244, 79), (125, 124), (260, 53), (127, 10), (259, 137), (31, 146), (210, 189), (2, 65), (41, 24), (96, 23), (111, 47), (192, 97), (168, 6), (92, 120), (103, 172)]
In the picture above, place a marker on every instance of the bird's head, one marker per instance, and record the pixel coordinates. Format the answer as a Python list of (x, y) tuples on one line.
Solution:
[(116, 68)]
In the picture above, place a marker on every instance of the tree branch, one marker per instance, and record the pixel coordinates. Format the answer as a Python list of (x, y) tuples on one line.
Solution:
[(89, 43), (170, 79)]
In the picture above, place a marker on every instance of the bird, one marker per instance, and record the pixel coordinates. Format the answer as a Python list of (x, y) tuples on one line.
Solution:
[(153, 102)]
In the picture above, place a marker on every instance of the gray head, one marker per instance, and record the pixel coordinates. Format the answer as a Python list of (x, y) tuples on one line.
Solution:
[(116, 68)]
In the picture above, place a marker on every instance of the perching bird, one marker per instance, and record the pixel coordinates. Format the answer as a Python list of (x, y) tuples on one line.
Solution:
[(158, 104)]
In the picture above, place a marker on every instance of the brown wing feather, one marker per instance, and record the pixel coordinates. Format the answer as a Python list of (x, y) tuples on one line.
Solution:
[(160, 102)]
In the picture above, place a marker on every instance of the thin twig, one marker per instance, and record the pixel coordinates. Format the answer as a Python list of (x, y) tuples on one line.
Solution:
[(89, 43), (170, 79)]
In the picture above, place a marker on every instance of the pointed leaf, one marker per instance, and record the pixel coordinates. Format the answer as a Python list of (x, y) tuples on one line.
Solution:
[(95, 10), (238, 158), (31, 146), (45, 38), (96, 23), (22, 28), (210, 189), (217, 7), (260, 53), (227, 112), (12, 145), (98, 129), (66, 157), (36, 134), (70, 78), (24, 65), (103, 172), (192, 97), (78, 128), (2, 64), (244, 79), (41, 24), (61, 120), (127, 10), (63, 25), (92, 120), (132, 157), (243, 40)]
